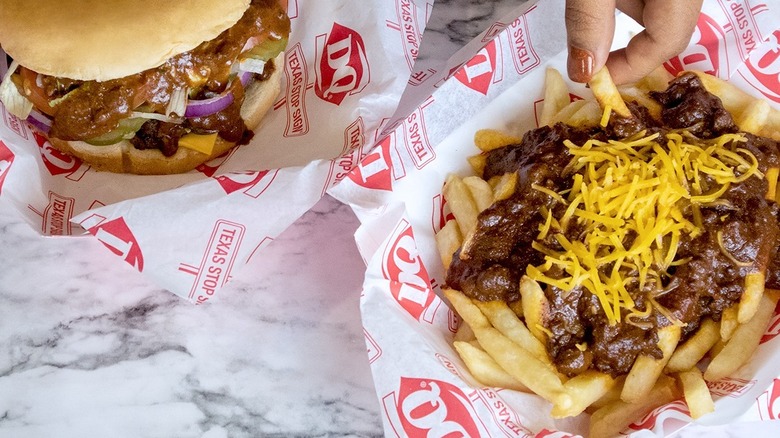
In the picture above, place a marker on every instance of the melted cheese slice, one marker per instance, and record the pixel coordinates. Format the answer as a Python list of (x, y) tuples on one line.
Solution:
[(635, 199)]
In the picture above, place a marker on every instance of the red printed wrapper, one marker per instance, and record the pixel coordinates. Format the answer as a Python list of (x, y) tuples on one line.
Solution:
[(343, 78), (423, 387)]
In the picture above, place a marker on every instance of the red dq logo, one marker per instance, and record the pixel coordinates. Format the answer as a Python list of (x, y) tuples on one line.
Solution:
[(409, 281), (59, 163), (665, 420), (707, 53), (376, 169), (430, 408), (253, 184), (477, 73), (768, 405), (6, 160), (774, 326), (117, 237), (764, 65), (342, 65)]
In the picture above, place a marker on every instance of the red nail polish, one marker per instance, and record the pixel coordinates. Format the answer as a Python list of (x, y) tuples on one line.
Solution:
[(580, 64)]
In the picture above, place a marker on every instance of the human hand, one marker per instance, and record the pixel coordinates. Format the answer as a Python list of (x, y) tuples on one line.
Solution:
[(590, 25)]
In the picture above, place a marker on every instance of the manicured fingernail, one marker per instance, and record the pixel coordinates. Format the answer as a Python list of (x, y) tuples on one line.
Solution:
[(580, 64)]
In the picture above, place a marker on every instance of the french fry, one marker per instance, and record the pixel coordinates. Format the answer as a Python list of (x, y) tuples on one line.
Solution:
[(470, 313), (646, 369), (462, 205), (609, 420), (489, 139), (744, 342), (734, 100), (689, 353), (772, 175), (505, 187), (696, 393), (485, 369), (464, 333), (448, 240), (556, 95), (607, 94), (480, 190), (584, 389), (515, 360), (589, 114), (610, 396), (772, 127), (566, 112), (632, 93), (536, 308), (656, 80), (729, 322), (517, 307), (717, 348), (751, 297), (477, 163), (504, 320), (754, 117)]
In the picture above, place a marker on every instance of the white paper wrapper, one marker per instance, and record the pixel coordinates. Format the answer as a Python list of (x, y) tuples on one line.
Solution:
[(343, 78), (423, 387)]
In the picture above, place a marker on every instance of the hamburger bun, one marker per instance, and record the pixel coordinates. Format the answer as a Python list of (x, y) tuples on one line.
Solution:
[(123, 157), (182, 46), (102, 40)]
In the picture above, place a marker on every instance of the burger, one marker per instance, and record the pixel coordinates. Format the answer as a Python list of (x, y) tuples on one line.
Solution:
[(143, 86)]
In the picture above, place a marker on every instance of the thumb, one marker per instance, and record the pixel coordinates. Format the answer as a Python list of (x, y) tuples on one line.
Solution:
[(590, 26)]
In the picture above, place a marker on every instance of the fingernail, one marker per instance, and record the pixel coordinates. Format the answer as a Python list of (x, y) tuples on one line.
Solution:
[(580, 64)]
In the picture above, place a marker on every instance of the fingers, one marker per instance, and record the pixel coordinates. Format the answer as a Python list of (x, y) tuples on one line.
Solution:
[(590, 25), (668, 28), (632, 8)]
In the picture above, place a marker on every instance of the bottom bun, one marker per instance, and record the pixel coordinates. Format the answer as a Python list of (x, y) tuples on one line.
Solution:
[(123, 157)]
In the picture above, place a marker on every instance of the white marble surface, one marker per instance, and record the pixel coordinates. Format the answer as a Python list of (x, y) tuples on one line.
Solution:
[(89, 348)]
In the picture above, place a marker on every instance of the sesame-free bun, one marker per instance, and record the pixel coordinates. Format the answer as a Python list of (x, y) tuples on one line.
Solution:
[(123, 157), (109, 39)]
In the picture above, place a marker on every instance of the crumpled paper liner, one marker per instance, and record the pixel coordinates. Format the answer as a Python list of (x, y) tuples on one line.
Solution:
[(190, 233), (423, 387)]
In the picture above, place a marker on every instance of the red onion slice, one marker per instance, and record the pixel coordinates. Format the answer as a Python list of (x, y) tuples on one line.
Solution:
[(207, 107), (244, 77), (40, 121)]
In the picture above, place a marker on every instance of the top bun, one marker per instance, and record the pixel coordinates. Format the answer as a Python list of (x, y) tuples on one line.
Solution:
[(102, 40)]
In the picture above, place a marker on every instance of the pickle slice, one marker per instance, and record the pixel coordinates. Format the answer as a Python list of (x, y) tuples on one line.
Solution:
[(126, 130)]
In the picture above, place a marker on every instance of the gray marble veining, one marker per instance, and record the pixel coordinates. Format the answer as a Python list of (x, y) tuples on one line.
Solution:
[(89, 348)]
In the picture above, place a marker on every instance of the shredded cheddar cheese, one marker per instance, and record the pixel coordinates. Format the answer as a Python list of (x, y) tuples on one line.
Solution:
[(629, 198)]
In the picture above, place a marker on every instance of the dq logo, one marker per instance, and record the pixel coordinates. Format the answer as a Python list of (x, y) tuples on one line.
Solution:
[(6, 160), (441, 213), (477, 73), (431, 409), (118, 238), (764, 65), (768, 405), (376, 169), (59, 163), (409, 281), (253, 184), (774, 326), (706, 53), (665, 420), (342, 65)]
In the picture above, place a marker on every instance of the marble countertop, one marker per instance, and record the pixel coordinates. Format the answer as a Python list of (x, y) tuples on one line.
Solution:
[(89, 348)]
